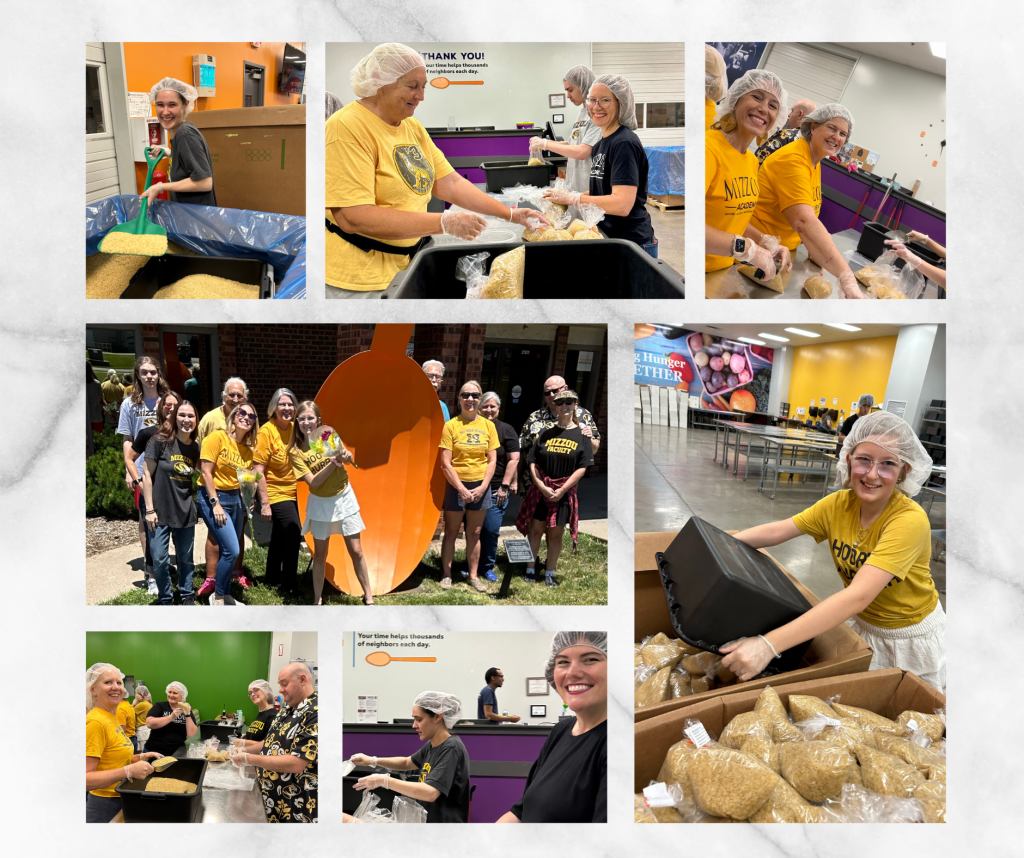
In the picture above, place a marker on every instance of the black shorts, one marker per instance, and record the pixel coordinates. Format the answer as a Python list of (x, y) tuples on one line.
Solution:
[(453, 503), (540, 512)]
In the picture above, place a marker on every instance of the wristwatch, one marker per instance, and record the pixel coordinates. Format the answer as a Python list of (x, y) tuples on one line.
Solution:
[(504, 487), (136, 481), (215, 501), (739, 247)]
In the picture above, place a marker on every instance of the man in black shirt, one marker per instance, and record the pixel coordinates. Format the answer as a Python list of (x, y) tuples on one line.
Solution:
[(864, 406)]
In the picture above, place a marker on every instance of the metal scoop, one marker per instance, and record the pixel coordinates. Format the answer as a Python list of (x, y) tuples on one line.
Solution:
[(163, 763)]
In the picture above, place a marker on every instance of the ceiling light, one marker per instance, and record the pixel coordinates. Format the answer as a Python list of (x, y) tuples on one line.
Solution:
[(752, 342), (842, 327), (938, 49), (801, 332), (773, 337)]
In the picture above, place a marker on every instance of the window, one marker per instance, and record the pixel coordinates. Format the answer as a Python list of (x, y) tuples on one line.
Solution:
[(664, 115), (95, 112)]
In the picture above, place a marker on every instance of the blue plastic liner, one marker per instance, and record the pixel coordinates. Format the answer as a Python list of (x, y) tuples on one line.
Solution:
[(666, 173), (210, 231)]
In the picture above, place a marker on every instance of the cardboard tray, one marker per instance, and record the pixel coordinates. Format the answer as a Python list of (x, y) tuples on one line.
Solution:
[(885, 692), (837, 652)]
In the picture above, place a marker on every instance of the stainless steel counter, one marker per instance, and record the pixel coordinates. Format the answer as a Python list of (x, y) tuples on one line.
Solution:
[(729, 283)]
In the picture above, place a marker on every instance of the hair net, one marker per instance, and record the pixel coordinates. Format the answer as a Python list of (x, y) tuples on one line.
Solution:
[(563, 640), (714, 74), (894, 435), (263, 686), (865, 399), (188, 93), (751, 80), (623, 94), (447, 705), (382, 66), (824, 114), (581, 77), (332, 105), (143, 693), (181, 689), (91, 675)]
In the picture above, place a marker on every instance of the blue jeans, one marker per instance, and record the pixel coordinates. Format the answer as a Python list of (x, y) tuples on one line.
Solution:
[(651, 249), (160, 540), (135, 743), (228, 537), (489, 535)]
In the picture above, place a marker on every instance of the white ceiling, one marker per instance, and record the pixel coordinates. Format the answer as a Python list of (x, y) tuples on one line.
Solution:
[(914, 54), (828, 335)]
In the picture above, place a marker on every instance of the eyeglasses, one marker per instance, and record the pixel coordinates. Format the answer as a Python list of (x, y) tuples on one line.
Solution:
[(470, 395), (247, 416), (604, 102), (887, 469), (434, 375)]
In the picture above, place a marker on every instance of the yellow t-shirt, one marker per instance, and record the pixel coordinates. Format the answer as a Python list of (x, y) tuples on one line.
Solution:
[(126, 717), (141, 711), (106, 739), (709, 113), (787, 178), (272, 451), (211, 422), (312, 462), (730, 190), (898, 542), (371, 163), (227, 455), (470, 442)]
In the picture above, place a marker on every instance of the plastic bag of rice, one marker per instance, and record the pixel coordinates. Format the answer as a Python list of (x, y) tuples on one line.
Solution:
[(803, 707), (934, 726), (679, 683), (816, 770), (661, 651), (885, 774), (785, 804), (654, 690), (783, 730), (764, 749), (859, 804), (727, 782), (867, 719), (745, 725)]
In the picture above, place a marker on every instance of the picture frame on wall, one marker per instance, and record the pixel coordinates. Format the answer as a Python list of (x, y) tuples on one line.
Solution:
[(537, 686), (556, 100)]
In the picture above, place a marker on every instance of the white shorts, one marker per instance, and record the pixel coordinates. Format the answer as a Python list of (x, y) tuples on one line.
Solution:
[(338, 514), (920, 648)]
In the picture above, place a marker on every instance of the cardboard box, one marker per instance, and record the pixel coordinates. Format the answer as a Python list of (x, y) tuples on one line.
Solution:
[(885, 692), (834, 653), (259, 156), (670, 200)]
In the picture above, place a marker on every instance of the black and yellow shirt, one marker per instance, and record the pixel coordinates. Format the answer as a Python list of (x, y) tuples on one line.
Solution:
[(311, 462), (106, 740), (898, 542), (787, 177), (259, 728), (470, 441), (559, 452), (227, 456), (291, 797), (730, 191)]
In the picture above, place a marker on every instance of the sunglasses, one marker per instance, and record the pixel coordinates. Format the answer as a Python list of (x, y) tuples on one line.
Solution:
[(247, 416), (470, 395), (553, 392)]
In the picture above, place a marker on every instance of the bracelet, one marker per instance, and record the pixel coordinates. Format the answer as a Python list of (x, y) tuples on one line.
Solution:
[(774, 652)]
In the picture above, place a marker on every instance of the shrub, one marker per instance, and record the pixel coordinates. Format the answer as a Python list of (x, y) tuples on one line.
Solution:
[(105, 491)]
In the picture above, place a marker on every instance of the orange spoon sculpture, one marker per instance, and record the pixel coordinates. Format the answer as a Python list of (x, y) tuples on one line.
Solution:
[(381, 658)]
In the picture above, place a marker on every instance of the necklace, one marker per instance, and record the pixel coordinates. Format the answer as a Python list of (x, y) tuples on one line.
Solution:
[(860, 535)]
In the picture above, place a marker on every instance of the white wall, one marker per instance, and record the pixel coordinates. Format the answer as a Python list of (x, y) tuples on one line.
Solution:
[(517, 81), (292, 646), (462, 660), (934, 386), (913, 371)]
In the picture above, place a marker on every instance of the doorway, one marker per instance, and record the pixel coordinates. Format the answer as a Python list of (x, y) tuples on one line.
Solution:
[(188, 366), (253, 83), (516, 373)]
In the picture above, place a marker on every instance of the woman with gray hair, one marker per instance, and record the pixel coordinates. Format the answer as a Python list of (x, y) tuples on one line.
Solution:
[(618, 176), (504, 483), (171, 722), (789, 198), (262, 696), (584, 135), (278, 500)]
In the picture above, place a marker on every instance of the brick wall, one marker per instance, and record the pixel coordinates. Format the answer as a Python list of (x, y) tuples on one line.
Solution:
[(561, 348), (459, 347), (151, 341)]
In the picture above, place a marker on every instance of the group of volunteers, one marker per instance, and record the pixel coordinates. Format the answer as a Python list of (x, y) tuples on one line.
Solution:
[(568, 781), (485, 461), (122, 737), (382, 168)]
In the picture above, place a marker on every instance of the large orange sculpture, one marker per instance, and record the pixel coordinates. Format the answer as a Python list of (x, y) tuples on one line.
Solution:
[(386, 411)]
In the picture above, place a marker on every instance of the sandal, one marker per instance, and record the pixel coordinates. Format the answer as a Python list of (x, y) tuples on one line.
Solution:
[(368, 603), (477, 585), (446, 583)]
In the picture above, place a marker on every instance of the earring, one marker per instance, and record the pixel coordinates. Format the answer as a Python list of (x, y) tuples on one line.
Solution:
[(728, 122)]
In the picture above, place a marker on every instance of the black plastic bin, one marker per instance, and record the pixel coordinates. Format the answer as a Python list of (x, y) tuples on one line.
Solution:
[(164, 270), (719, 589), (508, 174), (575, 270), (141, 806), (209, 729), (351, 798), (872, 245)]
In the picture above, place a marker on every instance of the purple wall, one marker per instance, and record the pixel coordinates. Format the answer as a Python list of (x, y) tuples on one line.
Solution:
[(484, 147)]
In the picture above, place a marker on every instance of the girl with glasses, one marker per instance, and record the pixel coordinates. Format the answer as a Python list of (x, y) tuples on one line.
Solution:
[(880, 541), (220, 499), (469, 444)]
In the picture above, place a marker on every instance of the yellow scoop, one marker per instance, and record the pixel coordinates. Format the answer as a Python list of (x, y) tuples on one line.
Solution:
[(444, 83), (379, 659)]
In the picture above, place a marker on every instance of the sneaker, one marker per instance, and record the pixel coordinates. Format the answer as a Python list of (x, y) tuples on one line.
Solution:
[(490, 576), (245, 582), (530, 577), (151, 587), (209, 585), (188, 600), (216, 601), (550, 580), (477, 585)]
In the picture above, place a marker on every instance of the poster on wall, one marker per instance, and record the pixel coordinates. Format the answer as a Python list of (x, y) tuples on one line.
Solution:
[(739, 57), (722, 374)]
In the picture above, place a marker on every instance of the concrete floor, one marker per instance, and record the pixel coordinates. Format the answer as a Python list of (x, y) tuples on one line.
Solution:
[(670, 229), (676, 478)]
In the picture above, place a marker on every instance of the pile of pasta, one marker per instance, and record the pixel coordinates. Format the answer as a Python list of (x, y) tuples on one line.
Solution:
[(823, 761)]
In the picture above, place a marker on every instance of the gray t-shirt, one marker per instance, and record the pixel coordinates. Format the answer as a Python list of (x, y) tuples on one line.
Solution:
[(446, 768), (190, 159), (584, 131)]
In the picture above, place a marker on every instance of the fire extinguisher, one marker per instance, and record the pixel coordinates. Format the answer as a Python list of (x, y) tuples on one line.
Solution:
[(160, 176)]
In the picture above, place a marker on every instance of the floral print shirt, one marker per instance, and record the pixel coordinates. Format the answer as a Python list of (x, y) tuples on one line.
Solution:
[(291, 797)]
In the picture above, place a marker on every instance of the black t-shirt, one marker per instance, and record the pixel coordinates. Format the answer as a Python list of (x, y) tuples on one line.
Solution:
[(568, 783), (845, 430), (141, 441), (508, 442), (620, 159), (190, 159), (167, 739), (559, 452), (446, 768), (257, 731), (172, 482)]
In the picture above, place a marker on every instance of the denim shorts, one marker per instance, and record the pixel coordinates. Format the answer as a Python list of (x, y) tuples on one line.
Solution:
[(454, 503)]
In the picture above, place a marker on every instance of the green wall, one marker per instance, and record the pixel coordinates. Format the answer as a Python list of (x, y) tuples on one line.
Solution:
[(215, 667)]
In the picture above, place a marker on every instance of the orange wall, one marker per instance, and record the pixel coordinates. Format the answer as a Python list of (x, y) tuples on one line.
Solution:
[(146, 63), (843, 370)]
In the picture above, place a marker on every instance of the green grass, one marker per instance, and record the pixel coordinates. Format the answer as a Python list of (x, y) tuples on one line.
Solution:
[(582, 580)]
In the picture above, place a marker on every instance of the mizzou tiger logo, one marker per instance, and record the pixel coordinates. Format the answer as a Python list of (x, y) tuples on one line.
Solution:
[(414, 168), (183, 469)]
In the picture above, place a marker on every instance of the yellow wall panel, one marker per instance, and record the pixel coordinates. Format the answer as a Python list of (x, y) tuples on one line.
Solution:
[(842, 370)]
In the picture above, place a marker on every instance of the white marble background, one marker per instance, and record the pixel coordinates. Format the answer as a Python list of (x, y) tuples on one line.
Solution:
[(41, 487)]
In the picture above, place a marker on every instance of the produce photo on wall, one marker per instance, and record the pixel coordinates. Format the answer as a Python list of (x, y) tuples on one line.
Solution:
[(825, 170), (478, 169), (716, 373), (195, 170), (248, 464)]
